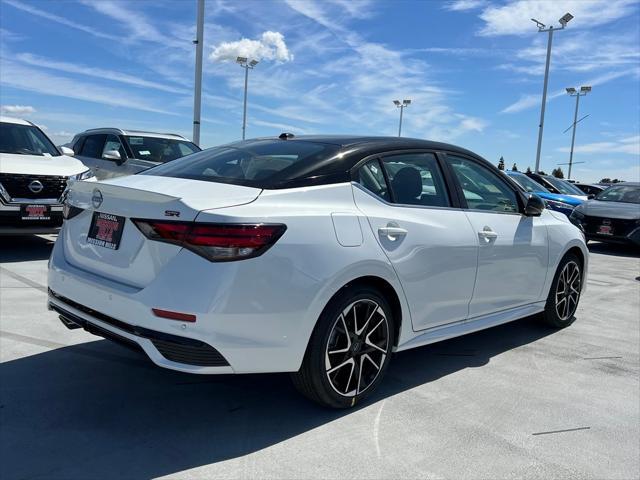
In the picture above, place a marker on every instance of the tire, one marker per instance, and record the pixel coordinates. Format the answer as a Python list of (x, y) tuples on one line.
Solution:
[(349, 350), (564, 294)]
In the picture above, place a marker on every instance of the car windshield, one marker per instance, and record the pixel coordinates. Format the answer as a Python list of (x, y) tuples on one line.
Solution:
[(564, 187), (620, 193), (255, 164), (25, 140), (159, 150), (528, 184)]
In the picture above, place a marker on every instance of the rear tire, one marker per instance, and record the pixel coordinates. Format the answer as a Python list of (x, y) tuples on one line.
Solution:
[(564, 293), (349, 350)]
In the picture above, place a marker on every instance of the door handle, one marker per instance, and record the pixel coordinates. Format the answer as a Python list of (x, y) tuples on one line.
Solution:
[(392, 231), (487, 234)]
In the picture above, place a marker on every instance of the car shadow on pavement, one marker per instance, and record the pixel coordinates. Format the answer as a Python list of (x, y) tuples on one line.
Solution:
[(97, 410), (614, 249), (25, 248)]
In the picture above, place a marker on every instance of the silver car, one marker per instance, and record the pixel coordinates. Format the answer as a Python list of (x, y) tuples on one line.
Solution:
[(113, 152)]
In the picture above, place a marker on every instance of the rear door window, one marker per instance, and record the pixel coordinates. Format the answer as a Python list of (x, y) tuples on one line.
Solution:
[(92, 146), (416, 179)]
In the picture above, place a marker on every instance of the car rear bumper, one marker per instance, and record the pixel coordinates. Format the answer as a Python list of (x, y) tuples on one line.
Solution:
[(164, 349), (257, 321)]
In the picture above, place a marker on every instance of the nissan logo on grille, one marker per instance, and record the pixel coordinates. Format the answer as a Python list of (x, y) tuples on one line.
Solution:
[(96, 198), (36, 186)]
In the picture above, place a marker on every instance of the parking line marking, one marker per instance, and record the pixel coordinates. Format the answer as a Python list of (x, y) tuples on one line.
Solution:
[(24, 280), (32, 340), (598, 358), (562, 431)]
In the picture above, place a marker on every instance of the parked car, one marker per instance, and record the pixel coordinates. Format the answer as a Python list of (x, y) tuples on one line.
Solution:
[(555, 201), (316, 255), (557, 185), (612, 216), (590, 189), (112, 152), (33, 175)]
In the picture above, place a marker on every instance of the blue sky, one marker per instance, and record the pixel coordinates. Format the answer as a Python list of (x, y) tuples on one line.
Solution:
[(473, 69)]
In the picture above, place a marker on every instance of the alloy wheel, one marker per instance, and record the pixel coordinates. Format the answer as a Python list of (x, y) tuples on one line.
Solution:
[(568, 291), (357, 348)]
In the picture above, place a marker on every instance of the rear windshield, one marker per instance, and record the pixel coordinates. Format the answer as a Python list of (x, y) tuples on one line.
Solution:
[(528, 184), (25, 140), (261, 164), (159, 150), (564, 187)]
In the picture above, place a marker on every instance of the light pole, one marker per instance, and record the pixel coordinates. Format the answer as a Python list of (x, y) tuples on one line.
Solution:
[(247, 65), (543, 28), (575, 93), (401, 106), (197, 92)]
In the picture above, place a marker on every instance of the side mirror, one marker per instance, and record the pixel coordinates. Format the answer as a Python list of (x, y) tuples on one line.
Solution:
[(66, 151), (534, 206), (112, 155), (591, 196)]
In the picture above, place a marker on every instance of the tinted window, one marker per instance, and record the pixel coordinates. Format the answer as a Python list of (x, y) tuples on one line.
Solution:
[(257, 164), (26, 140), (92, 146), (620, 193), (528, 184), (415, 179), (482, 188), (113, 143), (564, 187), (159, 150), (370, 176)]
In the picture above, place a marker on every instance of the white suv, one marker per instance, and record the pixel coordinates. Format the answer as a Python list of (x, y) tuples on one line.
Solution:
[(113, 152), (33, 176)]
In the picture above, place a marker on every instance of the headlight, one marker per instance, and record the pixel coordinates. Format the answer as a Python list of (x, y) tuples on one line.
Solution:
[(82, 176), (556, 205), (576, 215)]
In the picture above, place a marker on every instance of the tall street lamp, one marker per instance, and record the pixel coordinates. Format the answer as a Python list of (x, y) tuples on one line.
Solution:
[(543, 28), (575, 93), (247, 65), (197, 92), (401, 106)]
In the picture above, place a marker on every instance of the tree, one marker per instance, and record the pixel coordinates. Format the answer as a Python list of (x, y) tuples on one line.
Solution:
[(514, 168), (529, 170), (501, 164), (605, 180), (541, 172), (557, 172)]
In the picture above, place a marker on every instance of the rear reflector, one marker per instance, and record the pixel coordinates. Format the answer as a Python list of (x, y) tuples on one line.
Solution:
[(183, 317), (217, 242)]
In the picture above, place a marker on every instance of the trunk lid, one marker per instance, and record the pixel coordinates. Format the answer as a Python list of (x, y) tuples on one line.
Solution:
[(138, 260)]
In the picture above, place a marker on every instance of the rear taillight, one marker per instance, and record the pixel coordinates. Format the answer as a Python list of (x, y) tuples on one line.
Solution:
[(217, 242)]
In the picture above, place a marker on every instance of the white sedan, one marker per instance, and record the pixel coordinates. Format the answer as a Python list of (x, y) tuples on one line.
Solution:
[(315, 255)]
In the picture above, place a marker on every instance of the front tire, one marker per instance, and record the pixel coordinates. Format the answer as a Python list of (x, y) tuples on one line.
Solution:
[(564, 293), (349, 350)]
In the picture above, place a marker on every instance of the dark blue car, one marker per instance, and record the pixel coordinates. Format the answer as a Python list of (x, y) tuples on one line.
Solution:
[(554, 201)]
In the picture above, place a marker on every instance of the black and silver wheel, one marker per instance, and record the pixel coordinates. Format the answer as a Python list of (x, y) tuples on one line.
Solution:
[(564, 295), (349, 349)]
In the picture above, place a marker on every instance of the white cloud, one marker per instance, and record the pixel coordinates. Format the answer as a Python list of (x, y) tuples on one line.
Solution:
[(33, 80), (104, 74), (514, 18), (527, 101), (17, 109), (270, 46), (58, 19), (628, 145), (464, 5)]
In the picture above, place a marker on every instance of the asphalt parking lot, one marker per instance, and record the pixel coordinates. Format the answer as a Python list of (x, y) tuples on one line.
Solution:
[(515, 401)]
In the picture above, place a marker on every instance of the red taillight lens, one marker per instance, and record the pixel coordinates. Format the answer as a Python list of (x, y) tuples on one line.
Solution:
[(218, 242)]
